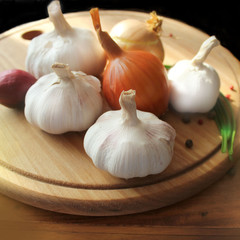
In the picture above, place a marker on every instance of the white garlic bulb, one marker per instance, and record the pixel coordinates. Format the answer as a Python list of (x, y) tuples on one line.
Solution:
[(77, 47), (194, 84), (63, 101), (130, 143)]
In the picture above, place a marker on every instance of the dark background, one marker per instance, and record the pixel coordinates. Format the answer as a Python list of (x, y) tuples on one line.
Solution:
[(215, 18)]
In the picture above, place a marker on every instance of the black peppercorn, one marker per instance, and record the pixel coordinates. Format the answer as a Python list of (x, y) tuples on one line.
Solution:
[(186, 118), (189, 143)]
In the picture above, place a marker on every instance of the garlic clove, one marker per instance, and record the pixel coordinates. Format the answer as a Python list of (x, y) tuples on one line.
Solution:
[(130, 143)]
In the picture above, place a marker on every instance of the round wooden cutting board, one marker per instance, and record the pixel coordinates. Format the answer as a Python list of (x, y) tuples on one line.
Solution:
[(53, 172)]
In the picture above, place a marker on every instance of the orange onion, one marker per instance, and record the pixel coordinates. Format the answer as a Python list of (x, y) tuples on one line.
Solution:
[(132, 69)]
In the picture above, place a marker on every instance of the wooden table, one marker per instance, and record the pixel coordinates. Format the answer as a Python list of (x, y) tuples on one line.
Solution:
[(212, 214)]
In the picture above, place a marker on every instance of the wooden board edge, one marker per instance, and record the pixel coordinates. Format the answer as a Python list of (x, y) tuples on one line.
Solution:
[(148, 195), (118, 201)]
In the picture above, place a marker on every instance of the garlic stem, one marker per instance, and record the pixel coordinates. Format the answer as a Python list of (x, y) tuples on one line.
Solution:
[(111, 48), (204, 50), (62, 70), (57, 18), (128, 107)]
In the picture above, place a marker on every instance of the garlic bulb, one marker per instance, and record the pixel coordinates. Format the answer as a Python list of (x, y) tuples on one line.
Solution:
[(132, 34), (63, 101), (195, 84), (77, 47), (130, 143)]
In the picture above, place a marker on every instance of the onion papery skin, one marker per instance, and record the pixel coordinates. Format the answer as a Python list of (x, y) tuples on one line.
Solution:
[(140, 71), (132, 34)]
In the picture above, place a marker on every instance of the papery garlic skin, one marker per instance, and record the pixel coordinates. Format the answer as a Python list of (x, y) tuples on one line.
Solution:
[(77, 47), (70, 101), (130, 143), (191, 93), (194, 84)]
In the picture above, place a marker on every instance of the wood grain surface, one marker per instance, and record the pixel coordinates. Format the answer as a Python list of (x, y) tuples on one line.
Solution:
[(54, 173), (210, 215)]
